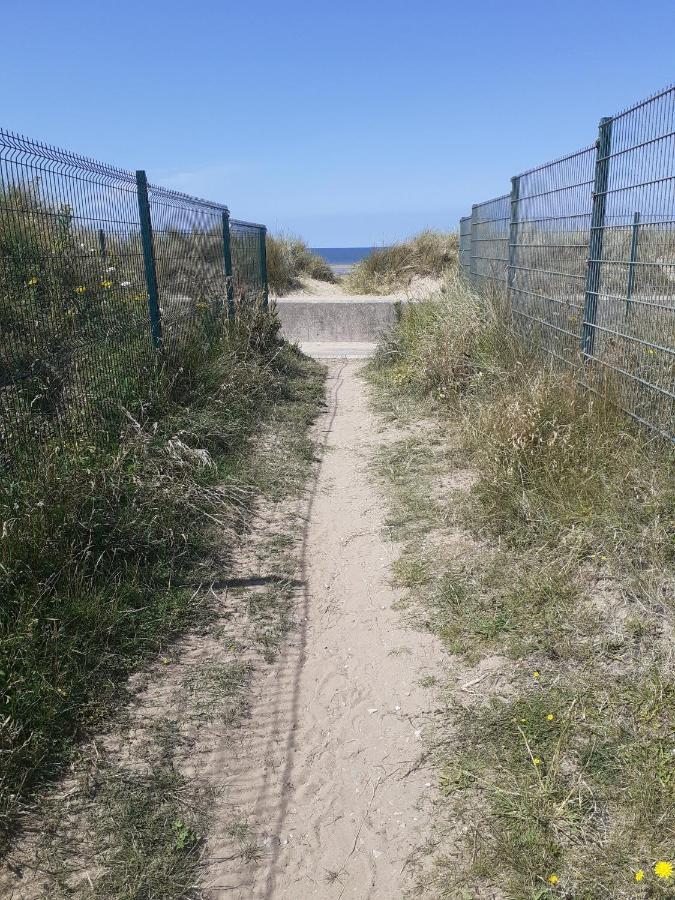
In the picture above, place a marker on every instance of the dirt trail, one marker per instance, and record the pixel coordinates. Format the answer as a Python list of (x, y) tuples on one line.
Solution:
[(327, 771), (317, 789)]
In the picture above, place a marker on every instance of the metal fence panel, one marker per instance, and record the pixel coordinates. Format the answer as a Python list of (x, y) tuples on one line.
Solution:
[(490, 239), (79, 332), (247, 241), (73, 301), (590, 265), (189, 257), (634, 328), (553, 216), (465, 244)]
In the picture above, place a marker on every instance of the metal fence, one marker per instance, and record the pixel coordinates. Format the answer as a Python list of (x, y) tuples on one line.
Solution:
[(101, 276), (585, 246)]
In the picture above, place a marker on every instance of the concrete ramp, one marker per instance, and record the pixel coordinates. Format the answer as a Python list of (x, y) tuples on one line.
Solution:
[(338, 321)]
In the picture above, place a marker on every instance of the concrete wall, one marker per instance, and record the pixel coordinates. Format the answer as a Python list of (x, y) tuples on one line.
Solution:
[(335, 320)]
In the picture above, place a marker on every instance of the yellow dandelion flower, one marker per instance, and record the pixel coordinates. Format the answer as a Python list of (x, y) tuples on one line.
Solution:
[(31, 281), (640, 874), (80, 289), (663, 869), (535, 674), (552, 878), (536, 761), (106, 284), (550, 717)]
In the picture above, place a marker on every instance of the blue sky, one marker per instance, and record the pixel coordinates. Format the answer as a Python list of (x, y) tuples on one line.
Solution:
[(351, 123)]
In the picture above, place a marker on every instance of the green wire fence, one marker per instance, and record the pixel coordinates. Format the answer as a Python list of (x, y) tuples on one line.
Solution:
[(585, 247), (101, 275)]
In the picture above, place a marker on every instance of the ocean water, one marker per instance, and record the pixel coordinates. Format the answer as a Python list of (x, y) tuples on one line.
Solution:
[(343, 256), (341, 259)]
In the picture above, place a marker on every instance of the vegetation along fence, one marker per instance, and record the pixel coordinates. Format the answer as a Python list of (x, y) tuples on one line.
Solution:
[(585, 246), (102, 275)]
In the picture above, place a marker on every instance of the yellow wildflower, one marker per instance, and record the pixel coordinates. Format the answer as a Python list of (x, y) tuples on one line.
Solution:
[(640, 874), (535, 674), (663, 869), (550, 717), (536, 761), (552, 878), (31, 281), (106, 284), (80, 289)]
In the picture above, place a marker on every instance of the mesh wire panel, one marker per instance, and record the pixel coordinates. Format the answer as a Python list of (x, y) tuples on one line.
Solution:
[(73, 302), (247, 260), (591, 274), (190, 263), (76, 349), (549, 252), (465, 244), (490, 240), (633, 327)]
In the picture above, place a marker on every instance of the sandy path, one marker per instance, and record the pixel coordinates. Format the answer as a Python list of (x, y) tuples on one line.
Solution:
[(322, 291), (326, 770)]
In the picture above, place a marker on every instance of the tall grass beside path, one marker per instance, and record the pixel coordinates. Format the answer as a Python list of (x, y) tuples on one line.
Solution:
[(537, 526), (108, 545)]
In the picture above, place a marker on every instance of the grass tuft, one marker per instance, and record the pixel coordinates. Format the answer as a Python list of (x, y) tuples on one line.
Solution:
[(289, 259), (429, 254)]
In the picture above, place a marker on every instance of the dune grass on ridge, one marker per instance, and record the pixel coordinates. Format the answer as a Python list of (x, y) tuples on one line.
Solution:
[(288, 260), (428, 254)]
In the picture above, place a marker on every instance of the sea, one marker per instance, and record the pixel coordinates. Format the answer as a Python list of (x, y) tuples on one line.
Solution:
[(341, 259)]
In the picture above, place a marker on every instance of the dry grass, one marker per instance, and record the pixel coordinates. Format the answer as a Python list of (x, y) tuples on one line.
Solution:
[(288, 260), (431, 253), (558, 561)]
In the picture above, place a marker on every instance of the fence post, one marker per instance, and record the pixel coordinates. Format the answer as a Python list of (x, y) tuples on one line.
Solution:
[(472, 250), (604, 147), (513, 232), (227, 257), (633, 258), (149, 257), (101, 246), (262, 242)]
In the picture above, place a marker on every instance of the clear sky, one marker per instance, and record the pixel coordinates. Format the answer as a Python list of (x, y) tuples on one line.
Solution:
[(351, 123)]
